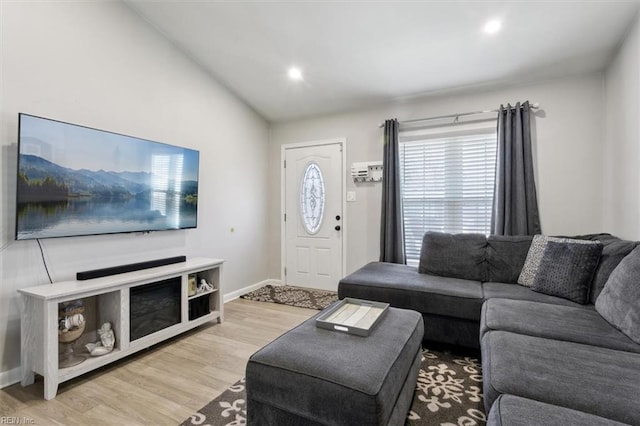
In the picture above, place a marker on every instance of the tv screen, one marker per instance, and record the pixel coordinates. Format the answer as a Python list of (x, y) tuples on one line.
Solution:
[(75, 180)]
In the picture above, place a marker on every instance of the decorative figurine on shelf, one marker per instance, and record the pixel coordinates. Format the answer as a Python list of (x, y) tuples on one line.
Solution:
[(71, 325), (107, 341), (204, 286)]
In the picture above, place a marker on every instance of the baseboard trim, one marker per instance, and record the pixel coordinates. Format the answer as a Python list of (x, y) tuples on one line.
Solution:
[(10, 377), (236, 294)]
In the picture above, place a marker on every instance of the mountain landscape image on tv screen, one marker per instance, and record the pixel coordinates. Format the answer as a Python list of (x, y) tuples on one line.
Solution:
[(74, 180)]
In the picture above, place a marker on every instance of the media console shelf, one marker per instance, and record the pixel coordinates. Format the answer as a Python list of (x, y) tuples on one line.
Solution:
[(107, 299)]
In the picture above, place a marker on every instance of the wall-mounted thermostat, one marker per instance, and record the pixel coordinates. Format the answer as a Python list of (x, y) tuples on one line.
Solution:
[(370, 171)]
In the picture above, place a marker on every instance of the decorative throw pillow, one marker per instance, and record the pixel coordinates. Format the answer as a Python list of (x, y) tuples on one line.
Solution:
[(567, 268), (619, 302), (532, 261), (536, 250)]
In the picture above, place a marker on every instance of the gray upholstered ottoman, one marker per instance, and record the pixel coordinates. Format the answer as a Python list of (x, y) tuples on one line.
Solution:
[(313, 376)]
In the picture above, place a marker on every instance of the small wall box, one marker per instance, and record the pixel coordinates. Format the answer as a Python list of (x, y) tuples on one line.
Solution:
[(367, 172)]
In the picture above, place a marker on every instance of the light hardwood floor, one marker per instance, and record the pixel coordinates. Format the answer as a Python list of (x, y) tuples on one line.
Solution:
[(164, 384)]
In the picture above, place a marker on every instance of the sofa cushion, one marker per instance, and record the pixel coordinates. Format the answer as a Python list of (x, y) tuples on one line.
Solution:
[(454, 255), (613, 252), (594, 380), (510, 410), (518, 292), (535, 254), (403, 287), (578, 324), (619, 302), (566, 269), (505, 256)]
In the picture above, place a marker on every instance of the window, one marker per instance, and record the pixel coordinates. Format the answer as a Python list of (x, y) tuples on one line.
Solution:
[(447, 183)]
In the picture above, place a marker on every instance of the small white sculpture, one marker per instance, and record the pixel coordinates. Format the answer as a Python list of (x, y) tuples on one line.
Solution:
[(67, 323), (107, 341), (71, 325), (204, 286)]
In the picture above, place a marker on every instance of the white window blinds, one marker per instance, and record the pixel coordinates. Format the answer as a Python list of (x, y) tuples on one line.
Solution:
[(447, 184)]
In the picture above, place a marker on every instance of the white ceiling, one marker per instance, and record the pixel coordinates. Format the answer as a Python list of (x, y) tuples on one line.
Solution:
[(357, 53)]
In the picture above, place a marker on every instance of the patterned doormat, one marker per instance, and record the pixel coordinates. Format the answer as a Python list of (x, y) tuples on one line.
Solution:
[(293, 296), (448, 393)]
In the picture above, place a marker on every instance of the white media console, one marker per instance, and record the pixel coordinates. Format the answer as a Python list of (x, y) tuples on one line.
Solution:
[(107, 299)]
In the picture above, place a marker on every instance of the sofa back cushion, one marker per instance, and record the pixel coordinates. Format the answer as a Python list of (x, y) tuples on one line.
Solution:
[(505, 256), (619, 301), (454, 255), (612, 254)]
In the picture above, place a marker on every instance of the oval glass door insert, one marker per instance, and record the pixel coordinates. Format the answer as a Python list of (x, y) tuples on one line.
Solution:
[(312, 198)]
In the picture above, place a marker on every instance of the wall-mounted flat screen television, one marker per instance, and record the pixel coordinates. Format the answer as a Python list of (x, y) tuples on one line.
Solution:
[(75, 180)]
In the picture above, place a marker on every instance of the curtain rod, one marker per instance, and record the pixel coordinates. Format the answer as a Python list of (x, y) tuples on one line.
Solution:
[(456, 116)]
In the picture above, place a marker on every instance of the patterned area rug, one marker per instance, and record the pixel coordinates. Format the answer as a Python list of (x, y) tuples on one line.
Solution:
[(448, 393), (293, 296)]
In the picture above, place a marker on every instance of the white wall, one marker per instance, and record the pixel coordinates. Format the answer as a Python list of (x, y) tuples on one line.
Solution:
[(568, 133), (98, 64), (621, 148)]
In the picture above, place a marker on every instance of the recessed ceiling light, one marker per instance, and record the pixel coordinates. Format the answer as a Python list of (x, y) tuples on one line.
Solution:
[(492, 26), (295, 73)]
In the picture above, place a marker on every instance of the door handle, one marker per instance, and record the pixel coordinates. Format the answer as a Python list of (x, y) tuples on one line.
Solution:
[(337, 228)]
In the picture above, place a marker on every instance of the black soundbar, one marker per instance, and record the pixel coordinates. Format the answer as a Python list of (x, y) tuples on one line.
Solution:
[(121, 269)]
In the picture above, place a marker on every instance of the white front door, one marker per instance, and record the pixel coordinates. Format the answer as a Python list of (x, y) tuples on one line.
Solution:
[(313, 180)]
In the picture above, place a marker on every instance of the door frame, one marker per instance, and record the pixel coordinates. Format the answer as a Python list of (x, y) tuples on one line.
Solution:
[(283, 243)]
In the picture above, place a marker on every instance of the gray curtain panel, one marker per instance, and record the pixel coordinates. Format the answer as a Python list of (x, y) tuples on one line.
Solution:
[(391, 221), (515, 205)]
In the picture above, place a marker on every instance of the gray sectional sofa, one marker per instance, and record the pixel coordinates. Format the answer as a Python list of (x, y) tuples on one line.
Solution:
[(545, 358)]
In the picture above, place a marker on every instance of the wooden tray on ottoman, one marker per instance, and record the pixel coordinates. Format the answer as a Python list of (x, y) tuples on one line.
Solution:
[(353, 316)]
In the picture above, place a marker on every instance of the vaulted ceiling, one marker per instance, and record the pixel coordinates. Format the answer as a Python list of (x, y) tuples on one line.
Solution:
[(354, 54)]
